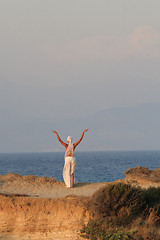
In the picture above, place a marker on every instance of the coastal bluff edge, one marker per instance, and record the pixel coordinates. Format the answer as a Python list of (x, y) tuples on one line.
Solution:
[(38, 208)]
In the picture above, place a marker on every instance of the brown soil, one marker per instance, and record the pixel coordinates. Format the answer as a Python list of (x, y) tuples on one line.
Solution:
[(42, 187), (43, 208), (143, 177)]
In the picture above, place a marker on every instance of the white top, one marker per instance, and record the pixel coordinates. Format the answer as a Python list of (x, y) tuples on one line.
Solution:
[(70, 150)]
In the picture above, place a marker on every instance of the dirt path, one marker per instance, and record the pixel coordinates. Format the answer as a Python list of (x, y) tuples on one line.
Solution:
[(44, 187)]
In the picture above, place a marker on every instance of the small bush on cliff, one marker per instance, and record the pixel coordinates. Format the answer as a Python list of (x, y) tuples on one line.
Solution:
[(102, 230), (120, 202), (120, 205), (152, 212), (152, 196)]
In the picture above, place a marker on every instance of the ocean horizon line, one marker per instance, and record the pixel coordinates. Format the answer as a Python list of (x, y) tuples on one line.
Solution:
[(82, 151)]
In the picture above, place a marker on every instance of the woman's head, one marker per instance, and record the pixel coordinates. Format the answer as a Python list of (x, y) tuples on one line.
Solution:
[(69, 139)]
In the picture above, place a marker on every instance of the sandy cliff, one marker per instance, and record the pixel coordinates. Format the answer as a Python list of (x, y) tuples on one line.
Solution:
[(42, 208), (143, 177), (38, 218)]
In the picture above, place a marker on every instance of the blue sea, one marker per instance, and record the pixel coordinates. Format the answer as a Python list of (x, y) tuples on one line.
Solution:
[(100, 166)]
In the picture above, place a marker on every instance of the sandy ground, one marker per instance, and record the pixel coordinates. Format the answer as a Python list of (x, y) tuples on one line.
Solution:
[(44, 209), (44, 187)]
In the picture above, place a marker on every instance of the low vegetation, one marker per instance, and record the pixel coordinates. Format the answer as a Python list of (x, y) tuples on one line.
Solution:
[(124, 212)]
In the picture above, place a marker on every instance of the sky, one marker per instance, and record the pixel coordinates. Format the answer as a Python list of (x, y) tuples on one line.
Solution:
[(69, 59)]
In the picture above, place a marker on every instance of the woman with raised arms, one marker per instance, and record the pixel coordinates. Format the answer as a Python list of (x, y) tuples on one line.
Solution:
[(70, 161)]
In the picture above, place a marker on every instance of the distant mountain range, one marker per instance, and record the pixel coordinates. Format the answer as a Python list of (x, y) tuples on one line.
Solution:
[(130, 128)]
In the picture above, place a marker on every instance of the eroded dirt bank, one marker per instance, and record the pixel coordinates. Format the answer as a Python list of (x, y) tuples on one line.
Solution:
[(42, 208), (36, 218)]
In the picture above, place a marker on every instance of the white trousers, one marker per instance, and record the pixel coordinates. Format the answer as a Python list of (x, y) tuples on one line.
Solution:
[(68, 169)]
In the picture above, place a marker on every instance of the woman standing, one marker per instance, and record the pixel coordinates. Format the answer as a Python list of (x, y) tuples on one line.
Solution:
[(69, 166)]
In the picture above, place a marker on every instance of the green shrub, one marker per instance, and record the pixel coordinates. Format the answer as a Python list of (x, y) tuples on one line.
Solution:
[(120, 202), (152, 199), (102, 230), (152, 196), (117, 208)]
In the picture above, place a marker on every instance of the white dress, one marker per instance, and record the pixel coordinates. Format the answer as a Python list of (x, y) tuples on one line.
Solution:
[(69, 165)]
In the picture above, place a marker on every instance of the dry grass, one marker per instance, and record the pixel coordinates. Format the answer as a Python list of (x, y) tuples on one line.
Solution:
[(124, 212), (144, 174), (31, 178), (120, 202), (152, 218)]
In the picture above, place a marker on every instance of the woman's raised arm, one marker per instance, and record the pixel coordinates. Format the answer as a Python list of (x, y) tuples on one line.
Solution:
[(64, 144), (75, 144)]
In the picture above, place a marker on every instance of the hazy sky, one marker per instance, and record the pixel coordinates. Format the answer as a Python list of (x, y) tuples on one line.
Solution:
[(67, 59)]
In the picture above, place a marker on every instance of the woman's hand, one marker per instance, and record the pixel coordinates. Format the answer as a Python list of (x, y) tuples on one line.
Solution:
[(54, 132), (86, 130)]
